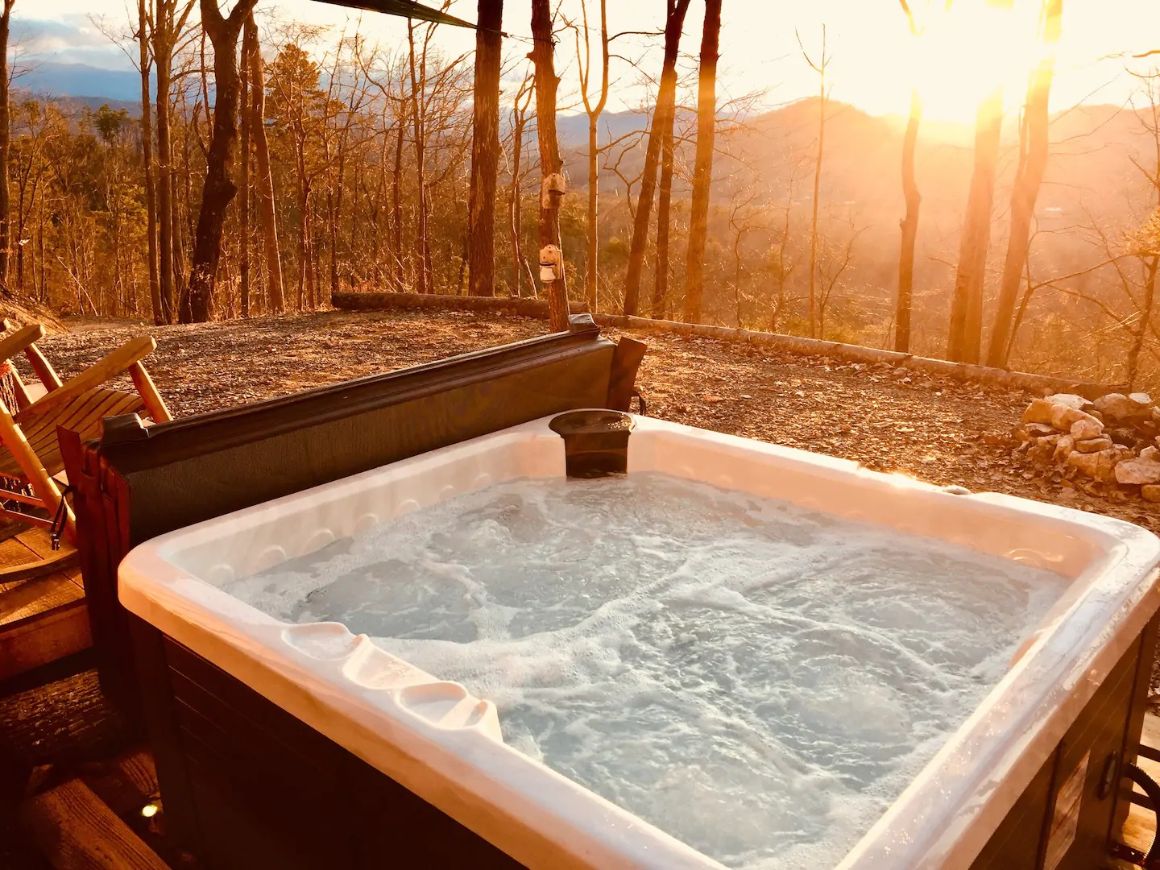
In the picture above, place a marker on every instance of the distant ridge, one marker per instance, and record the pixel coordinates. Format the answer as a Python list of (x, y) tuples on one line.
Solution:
[(53, 79)]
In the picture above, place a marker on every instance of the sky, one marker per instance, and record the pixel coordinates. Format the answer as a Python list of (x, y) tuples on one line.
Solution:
[(874, 58)]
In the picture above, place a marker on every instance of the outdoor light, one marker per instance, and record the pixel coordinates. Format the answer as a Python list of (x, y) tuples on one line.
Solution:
[(150, 810)]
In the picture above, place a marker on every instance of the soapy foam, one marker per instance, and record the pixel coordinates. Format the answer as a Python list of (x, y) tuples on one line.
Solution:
[(759, 680)]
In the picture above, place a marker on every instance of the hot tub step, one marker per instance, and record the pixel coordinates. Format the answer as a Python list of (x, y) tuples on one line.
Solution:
[(72, 827)]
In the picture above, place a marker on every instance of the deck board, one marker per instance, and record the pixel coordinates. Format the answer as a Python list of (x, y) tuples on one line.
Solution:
[(73, 827), (37, 596), (43, 614)]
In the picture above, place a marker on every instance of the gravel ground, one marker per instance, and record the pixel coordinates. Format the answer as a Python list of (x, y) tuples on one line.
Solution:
[(889, 419)]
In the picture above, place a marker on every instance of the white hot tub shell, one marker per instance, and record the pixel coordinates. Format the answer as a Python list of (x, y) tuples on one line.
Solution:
[(444, 745)]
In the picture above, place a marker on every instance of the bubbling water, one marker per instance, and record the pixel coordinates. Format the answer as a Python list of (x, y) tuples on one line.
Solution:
[(758, 680)]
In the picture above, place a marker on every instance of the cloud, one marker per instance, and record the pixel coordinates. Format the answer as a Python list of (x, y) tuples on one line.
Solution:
[(71, 38)]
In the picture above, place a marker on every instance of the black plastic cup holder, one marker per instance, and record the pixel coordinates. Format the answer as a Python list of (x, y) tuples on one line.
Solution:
[(595, 441)]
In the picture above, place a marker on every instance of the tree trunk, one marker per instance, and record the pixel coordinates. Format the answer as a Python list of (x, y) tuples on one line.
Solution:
[(147, 164), (5, 145), (1028, 178), (163, 61), (550, 163), (666, 101), (418, 86), (591, 276), (266, 214), (1151, 268), (219, 187), (966, 320), (514, 206), (592, 242), (485, 149), (397, 206), (244, 197), (909, 226), (303, 228), (703, 164), (816, 201), (664, 210)]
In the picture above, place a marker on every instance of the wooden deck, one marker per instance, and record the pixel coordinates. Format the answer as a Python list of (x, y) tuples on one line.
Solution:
[(75, 782), (42, 604)]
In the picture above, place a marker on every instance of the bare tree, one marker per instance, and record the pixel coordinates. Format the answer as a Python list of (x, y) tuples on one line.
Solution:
[(418, 113), (166, 24), (252, 56), (144, 67), (1145, 243), (515, 205), (593, 110), (913, 198), (550, 163), (782, 263), (966, 319), (1033, 152), (820, 66), (219, 187), (834, 262), (662, 121), (703, 165), (244, 192), (485, 148), (5, 143)]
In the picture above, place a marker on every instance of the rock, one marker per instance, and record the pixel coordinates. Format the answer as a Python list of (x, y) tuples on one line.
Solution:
[(1063, 447), (1043, 449), (1151, 453), (1039, 411), (1151, 492), (1122, 436), (1038, 430), (1138, 471), (1064, 418), (1071, 400), (1089, 427), (1094, 445), (1118, 408), (1101, 465)]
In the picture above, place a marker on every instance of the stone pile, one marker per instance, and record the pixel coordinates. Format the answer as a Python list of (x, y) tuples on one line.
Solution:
[(1114, 439)]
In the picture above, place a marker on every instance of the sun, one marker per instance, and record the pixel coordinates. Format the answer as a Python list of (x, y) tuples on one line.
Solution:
[(964, 54)]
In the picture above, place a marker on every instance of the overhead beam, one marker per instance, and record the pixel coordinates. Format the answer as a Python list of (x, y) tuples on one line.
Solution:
[(403, 9)]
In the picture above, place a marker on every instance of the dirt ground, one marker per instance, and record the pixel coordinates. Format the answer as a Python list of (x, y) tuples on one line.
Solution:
[(935, 429)]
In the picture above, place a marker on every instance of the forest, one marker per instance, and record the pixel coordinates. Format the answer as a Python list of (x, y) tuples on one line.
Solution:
[(270, 164)]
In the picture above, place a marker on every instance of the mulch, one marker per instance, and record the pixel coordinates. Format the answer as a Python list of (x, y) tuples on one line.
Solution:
[(891, 419)]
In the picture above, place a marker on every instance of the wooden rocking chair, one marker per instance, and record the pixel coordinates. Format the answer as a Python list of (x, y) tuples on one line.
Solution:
[(30, 460), (23, 340)]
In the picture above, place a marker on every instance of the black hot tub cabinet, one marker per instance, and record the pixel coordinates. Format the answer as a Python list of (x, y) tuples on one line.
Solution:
[(245, 783)]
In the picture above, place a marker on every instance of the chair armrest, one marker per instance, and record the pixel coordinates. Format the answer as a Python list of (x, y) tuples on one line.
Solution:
[(108, 367), (20, 340)]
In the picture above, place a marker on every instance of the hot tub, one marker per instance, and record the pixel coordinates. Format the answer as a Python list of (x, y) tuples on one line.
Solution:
[(1028, 765)]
